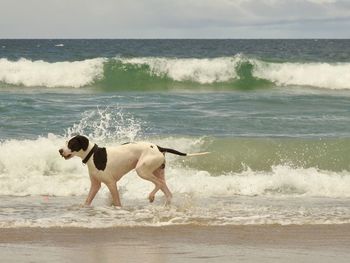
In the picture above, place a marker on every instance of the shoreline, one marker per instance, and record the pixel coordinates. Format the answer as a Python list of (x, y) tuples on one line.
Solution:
[(231, 233), (181, 243)]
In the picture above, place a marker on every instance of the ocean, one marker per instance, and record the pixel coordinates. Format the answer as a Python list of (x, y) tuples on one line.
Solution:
[(275, 115)]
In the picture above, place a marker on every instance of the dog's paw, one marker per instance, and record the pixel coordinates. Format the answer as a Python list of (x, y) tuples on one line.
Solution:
[(151, 198), (167, 202)]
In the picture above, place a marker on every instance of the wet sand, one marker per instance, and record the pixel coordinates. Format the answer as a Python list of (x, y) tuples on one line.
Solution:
[(267, 243)]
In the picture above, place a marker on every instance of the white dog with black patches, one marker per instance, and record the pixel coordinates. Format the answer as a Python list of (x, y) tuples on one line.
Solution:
[(108, 165)]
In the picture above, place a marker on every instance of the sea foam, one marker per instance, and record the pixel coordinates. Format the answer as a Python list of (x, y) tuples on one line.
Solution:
[(41, 171), (320, 75), (55, 74), (203, 71), (123, 73)]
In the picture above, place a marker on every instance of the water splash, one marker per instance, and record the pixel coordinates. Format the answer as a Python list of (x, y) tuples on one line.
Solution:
[(107, 124)]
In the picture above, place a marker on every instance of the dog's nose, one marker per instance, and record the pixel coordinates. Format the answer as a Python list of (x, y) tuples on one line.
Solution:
[(60, 151)]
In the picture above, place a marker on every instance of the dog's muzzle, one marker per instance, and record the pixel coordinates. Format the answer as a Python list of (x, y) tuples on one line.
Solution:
[(64, 156)]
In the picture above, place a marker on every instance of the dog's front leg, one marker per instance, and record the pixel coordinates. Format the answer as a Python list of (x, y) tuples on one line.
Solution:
[(112, 186), (94, 188)]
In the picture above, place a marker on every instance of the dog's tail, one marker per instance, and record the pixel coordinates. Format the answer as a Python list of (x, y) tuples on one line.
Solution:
[(167, 150)]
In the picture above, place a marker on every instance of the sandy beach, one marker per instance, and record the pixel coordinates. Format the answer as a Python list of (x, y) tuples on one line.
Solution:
[(269, 243)]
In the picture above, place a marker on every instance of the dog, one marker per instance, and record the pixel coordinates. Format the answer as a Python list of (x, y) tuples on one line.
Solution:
[(108, 165)]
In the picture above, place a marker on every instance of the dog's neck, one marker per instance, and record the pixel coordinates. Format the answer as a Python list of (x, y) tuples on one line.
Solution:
[(82, 154), (90, 153)]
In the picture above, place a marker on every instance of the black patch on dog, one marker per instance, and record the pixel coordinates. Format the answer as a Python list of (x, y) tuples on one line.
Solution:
[(100, 158), (78, 143)]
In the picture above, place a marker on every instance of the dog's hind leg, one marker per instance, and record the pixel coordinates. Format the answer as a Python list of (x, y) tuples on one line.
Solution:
[(159, 173), (146, 167)]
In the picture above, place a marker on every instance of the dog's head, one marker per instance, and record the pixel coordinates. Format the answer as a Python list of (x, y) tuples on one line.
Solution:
[(76, 145)]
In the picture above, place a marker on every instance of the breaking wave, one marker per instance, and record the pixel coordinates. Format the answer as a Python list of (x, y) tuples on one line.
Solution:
[(40, 73), (43, 172), (161, 73), (236, 166)]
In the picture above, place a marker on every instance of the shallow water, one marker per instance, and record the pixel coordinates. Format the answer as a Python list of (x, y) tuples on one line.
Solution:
[(186, 209), (275, 116)]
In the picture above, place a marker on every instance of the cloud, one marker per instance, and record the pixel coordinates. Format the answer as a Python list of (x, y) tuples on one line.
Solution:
[(166, 18), (323, 1)]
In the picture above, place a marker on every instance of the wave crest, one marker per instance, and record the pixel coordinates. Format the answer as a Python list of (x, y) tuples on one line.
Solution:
[(320, 75), (152, 73), (203, 71), (45, 74)]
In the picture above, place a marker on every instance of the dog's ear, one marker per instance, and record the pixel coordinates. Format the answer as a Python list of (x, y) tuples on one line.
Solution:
[(84, 142), (78, 143)]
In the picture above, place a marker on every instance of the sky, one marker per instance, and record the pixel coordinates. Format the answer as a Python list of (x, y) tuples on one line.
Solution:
[(175, 19)]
